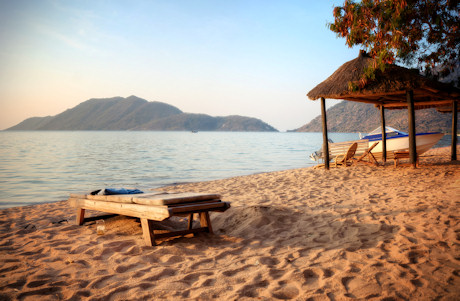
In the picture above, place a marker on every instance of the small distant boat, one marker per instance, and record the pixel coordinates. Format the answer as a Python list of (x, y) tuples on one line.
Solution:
[(396, 140), (194, 131)]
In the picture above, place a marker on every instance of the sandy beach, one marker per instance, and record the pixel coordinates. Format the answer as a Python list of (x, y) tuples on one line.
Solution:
[(357, 233)]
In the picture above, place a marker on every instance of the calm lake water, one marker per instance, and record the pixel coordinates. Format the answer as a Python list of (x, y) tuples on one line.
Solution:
[(45, 166)]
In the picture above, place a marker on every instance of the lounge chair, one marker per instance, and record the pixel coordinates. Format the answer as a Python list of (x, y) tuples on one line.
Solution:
[(153, 207), (339, 148), (367, 157), (346, 158)]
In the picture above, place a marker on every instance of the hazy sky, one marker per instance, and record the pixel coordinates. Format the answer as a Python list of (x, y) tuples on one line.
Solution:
[(251, 58)]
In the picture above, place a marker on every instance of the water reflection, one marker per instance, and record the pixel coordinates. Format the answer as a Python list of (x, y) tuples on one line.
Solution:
[(47, 166)]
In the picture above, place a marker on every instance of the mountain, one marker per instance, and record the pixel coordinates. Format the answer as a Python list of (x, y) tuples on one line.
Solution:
[(134, 113), (350, 116), (203, 122)]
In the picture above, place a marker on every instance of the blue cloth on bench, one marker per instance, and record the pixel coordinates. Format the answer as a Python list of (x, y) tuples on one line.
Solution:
[(109, 191)]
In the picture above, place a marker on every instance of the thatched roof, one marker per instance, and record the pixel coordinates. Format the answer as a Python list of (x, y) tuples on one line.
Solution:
[(388, 89)]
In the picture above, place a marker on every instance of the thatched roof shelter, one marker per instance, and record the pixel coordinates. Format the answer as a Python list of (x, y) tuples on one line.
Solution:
[(388, 89), (394, 88)]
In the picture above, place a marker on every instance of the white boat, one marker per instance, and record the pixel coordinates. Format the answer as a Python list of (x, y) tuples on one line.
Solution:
[(396, 140), (399, 141)]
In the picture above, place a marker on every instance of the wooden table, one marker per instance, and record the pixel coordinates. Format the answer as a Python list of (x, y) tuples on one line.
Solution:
[(156, 206)]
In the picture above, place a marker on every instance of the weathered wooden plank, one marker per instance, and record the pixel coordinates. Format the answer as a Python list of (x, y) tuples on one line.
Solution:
[(174, 198), (199, 207), (197, 202), (157, 213), (181, 232), (118, 198), (153, 198)]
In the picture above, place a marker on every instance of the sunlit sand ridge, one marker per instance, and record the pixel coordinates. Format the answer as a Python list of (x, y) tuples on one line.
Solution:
[(361, 232)]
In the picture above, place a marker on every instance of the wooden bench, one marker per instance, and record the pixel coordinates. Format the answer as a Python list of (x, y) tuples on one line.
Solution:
[(397, 155), (155, 206)]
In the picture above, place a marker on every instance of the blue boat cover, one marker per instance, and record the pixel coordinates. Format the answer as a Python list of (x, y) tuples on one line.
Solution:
[(109, 191)]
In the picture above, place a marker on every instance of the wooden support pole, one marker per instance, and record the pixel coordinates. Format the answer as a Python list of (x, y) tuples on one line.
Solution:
[(454, 131), (147, 232), (384, 134), (411, 119), (80, 216), (325, 140), (190, 221), (205, 221)]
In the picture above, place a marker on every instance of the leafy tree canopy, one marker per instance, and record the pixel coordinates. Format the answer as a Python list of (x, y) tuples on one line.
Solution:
[(422, 33)]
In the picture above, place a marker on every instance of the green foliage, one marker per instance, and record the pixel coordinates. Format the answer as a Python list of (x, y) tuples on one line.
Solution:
[(422, 33)]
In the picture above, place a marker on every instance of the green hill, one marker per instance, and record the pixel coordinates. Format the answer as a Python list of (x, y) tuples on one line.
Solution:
[(349, 116), (203, 122), (134, 113)]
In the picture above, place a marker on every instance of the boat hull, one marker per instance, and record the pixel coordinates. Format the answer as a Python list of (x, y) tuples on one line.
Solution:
[(423, 143)]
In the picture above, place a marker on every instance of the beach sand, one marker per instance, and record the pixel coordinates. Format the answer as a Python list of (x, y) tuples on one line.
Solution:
[(363, 232)]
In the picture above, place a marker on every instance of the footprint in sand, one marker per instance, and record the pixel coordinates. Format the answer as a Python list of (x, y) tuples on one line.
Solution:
[(17, 285), (118, 246), (310, 276), (286, 292), (125, 268), (354, 269), (193, 277), (112, 295), (141, 273), (40, 293), (414, 256), (172, 259), (345, 281), (251, 290), (231, 273), (101, 282), (417, 282), (327, 273), (269, 261), (409, 228), (134, 250), (205, 263), (206, 283), (61, 243), (8, 269), (165, 273), (80, 295), (276, 274), (146, 285), (86, 248), (37, 283)]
